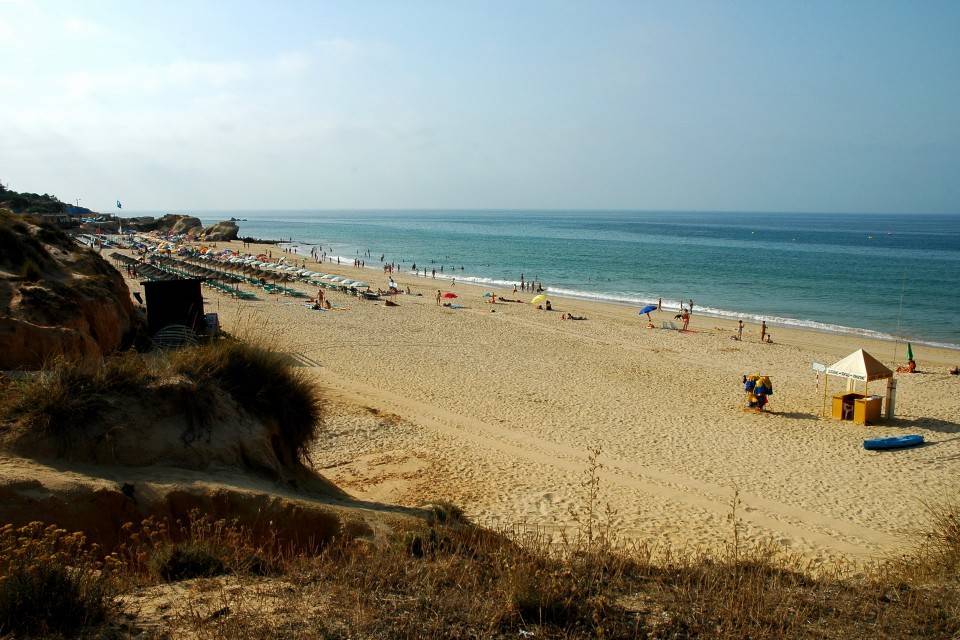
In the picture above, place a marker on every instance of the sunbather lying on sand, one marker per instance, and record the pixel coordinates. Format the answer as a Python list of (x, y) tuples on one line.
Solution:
[(570, 316), (910, 367)]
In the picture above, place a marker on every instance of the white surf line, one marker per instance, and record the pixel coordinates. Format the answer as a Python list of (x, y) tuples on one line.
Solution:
[(814, 528)]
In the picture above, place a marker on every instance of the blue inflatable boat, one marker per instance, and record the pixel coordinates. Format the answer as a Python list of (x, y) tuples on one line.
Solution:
[(894, 442)]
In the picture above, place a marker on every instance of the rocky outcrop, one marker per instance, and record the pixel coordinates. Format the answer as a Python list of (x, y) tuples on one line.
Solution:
[(171, 223), (177, 224), (57, 299), (221, 232)]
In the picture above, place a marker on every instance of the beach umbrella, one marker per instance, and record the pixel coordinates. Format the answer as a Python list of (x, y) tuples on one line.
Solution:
[(909, 352), (361, 284), (487, 294), (646, 310), (538, 299), (449, 295)]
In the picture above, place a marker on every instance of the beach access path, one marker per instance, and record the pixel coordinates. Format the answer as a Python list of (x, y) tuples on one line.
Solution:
[(496, 407)]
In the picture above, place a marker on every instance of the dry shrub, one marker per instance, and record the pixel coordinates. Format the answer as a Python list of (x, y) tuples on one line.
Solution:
[(470, 582), (201, 546), (51, 582), (185, 560)]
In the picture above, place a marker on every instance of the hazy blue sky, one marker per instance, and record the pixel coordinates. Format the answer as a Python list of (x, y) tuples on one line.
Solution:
[(809, 106)]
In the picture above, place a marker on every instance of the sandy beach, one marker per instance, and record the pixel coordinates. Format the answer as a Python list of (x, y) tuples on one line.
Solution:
[(496, 407)]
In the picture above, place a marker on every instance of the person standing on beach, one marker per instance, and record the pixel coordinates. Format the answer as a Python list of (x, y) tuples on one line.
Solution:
[(434, 274), (691, 306), (659, 304), (685, 316), (763, 331), (438, 297), (740, 330)]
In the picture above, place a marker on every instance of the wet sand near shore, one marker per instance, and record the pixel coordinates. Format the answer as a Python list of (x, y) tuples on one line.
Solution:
[(496, 407)]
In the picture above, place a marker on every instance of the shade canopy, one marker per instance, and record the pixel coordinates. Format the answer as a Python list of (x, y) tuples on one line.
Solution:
[(860, 365)]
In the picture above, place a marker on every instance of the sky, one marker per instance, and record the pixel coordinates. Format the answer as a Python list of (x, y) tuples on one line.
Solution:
[(847, 106)]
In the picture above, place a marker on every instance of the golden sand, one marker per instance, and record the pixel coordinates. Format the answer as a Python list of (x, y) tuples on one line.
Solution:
[(495, 407)]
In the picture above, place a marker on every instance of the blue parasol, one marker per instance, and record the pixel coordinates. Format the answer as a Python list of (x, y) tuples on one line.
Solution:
[(647, 309)]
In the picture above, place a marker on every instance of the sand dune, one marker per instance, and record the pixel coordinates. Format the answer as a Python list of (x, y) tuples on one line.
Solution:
[(496, 406)]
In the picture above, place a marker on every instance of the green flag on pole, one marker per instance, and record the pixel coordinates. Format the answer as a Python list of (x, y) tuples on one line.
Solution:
[(909, 352)]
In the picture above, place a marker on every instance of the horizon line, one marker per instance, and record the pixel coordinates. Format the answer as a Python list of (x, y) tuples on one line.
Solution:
[(529, 210)]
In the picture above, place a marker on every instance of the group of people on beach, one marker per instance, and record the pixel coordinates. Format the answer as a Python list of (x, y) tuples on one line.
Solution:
[(764, 333)]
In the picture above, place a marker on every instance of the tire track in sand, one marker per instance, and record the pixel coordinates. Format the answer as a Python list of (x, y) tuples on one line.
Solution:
[(816, 529)]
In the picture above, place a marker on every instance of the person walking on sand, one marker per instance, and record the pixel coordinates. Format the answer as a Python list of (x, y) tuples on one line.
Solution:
[(659, 304), (763, 331), (438, 297), (740, 330)]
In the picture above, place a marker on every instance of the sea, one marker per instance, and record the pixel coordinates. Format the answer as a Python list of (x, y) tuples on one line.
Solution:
[(893, 276)]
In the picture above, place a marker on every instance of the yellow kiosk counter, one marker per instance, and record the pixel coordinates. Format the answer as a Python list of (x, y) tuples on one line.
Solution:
[(858, 408)]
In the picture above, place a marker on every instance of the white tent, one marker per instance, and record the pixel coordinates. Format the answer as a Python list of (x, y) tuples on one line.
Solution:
[(860, 366)]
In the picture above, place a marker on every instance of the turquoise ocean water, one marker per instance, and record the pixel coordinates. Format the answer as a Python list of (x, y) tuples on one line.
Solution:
[(837, 272)]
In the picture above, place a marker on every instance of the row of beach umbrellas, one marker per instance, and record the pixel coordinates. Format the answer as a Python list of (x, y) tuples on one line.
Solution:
[(282, 269)]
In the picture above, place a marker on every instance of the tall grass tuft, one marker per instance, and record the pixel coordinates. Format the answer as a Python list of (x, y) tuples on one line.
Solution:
[(264, 383), (62, 398)]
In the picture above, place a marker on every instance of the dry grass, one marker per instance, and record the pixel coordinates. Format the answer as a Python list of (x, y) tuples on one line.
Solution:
[(64, 397), (52, 583), (461, 581)]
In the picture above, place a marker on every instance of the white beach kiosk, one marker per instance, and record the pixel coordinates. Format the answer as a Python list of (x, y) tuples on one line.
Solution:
[(861, 408)]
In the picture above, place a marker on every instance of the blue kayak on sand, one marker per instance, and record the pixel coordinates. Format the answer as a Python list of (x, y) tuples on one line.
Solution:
[(894, 442)]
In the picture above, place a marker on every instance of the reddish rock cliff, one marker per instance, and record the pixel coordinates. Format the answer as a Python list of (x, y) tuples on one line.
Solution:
[(57, 298)]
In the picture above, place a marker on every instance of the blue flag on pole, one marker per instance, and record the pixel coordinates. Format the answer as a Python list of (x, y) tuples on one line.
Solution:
[(119, 206)]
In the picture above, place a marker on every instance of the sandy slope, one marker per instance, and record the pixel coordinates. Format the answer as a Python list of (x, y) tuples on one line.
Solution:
[(496, 406)]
